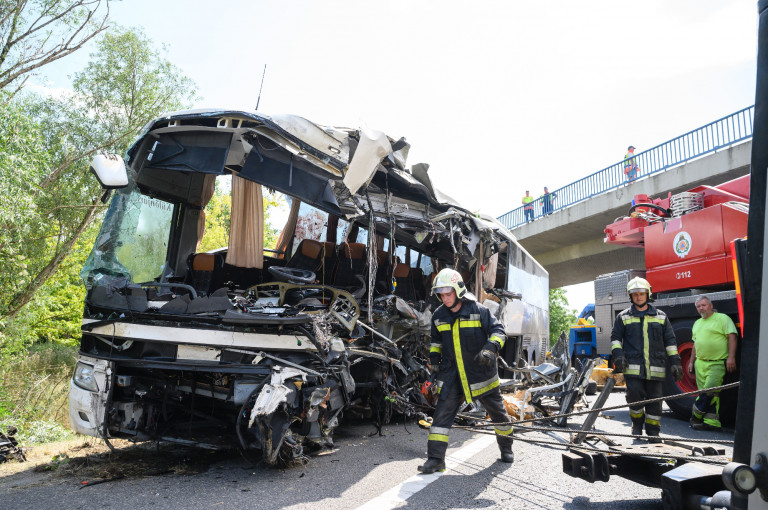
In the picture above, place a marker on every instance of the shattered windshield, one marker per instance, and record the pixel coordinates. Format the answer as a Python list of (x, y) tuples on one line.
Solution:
[(133, 242)]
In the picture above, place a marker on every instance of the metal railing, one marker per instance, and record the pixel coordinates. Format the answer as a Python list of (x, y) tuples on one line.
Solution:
[(729, 130)]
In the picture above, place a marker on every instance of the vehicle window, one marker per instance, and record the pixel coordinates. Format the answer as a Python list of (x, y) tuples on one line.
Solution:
[(426, 265), (400, 252), (144, 250), (341, 231), (133, 242), (311, 223), (362, 236)]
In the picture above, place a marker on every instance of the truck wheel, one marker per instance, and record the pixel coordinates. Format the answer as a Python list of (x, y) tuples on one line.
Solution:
[(591, 388), (681, 406)]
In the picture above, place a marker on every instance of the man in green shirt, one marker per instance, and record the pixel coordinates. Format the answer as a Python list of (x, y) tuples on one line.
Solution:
[(714, 349)]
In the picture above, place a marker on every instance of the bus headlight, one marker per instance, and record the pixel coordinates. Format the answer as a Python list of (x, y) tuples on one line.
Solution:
[(84, 377)]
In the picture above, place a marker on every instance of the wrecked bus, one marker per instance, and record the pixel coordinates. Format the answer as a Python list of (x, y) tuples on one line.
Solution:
[(267, 349)]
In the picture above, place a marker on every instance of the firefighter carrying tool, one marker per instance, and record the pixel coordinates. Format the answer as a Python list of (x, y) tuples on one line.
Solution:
[(643, 343), (466, 338)]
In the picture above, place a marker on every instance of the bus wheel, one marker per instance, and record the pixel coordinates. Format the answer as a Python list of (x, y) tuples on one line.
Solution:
[(681, 406)]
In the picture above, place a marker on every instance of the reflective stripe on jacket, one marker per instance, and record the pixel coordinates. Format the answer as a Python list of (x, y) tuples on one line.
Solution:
[(456, 340), (647, 339)]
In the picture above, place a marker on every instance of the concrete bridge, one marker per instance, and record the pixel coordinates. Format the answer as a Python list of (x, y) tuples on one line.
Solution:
[(569, 242)]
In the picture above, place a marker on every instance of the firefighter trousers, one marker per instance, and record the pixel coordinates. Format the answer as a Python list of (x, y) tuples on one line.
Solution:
[(445, 413), (650, 414), (706, 407)]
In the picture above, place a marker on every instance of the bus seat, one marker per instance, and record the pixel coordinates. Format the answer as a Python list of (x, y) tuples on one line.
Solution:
[(351, 264), (404, 289)]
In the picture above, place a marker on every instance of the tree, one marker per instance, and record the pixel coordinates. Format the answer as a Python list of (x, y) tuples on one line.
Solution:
[(560, 317), (126, 83), (34, 33)]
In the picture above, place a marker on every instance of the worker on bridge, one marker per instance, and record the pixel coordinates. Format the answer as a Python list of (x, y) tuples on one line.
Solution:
[(714, 352), (643, 344), (630, 165), (547, 201), (528, 206), (466, 339)]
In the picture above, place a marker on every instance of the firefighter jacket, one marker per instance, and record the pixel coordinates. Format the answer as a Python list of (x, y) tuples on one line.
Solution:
[(647, 340), (456, 339)]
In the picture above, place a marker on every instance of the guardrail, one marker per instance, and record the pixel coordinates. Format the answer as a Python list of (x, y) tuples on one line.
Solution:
[(724, 132)]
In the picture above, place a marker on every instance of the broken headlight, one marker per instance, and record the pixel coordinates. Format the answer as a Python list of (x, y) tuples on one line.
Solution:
[(84, 377)]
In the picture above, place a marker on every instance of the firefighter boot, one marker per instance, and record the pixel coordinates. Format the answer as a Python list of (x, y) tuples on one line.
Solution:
[(507, 455), (653, 436), (432, 465)]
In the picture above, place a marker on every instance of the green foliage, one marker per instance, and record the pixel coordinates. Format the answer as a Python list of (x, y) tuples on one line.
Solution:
[(127, 83), (24, 159), (560, 316), (45, 162), (34, 386)]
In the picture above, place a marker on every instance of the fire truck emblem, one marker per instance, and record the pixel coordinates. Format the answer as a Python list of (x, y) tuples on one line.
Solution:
[(682, 244)]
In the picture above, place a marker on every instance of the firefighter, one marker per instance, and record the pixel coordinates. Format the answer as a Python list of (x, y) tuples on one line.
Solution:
[(643, 345), (466, 339)]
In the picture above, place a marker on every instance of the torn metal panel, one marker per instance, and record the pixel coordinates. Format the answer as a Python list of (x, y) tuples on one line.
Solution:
[(371, 149)]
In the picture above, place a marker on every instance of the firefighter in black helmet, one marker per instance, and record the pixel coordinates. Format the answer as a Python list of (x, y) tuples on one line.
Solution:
[(466, 338), (643, 346)]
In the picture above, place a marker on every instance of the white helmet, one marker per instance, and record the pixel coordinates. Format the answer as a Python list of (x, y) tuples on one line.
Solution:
[(449, 279), (638, 284)]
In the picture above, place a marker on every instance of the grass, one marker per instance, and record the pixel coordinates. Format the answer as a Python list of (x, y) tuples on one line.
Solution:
[(34, 388)]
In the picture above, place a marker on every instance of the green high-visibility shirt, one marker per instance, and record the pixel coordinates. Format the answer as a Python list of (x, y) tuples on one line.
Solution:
[(710, 336)]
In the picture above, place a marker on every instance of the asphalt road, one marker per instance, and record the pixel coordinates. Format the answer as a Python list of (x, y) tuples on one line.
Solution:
[(366, 468)]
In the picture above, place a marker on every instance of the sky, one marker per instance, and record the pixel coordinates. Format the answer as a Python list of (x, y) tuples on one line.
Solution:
[(498, 97)]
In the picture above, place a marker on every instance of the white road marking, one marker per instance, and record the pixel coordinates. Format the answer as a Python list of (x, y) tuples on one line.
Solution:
[(399, 493)]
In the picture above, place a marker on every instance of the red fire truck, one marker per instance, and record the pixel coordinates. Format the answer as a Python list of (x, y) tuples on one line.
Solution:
[(693, 244)]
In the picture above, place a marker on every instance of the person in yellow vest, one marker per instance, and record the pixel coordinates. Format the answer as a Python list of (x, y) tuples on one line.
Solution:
[(528, 206), (547, 201), (714, 352), (630, 165)]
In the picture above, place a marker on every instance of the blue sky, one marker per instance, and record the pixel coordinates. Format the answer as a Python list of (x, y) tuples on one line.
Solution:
[(498, 96)]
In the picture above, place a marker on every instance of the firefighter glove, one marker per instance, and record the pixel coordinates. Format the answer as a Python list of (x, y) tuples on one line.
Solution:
[(676, 368), (620, 363), (486, 357)]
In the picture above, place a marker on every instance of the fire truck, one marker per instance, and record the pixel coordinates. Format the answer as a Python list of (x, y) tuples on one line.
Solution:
[(694, 245)]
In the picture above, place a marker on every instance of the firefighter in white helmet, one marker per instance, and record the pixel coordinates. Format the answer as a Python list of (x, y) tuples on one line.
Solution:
[(643, 346), (466, 339)]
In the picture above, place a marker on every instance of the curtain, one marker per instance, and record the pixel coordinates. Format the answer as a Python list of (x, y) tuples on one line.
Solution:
[(246, 230), (286, 235)]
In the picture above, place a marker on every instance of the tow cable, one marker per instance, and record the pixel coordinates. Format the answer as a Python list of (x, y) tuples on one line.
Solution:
[(483, 429)]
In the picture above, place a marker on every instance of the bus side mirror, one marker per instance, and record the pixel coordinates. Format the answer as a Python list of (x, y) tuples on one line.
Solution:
[(109, 170)]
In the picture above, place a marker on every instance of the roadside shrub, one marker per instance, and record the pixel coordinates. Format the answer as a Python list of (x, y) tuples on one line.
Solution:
[(34, 387)]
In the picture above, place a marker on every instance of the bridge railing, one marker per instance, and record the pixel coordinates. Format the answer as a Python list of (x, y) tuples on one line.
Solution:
[(721, 133)]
